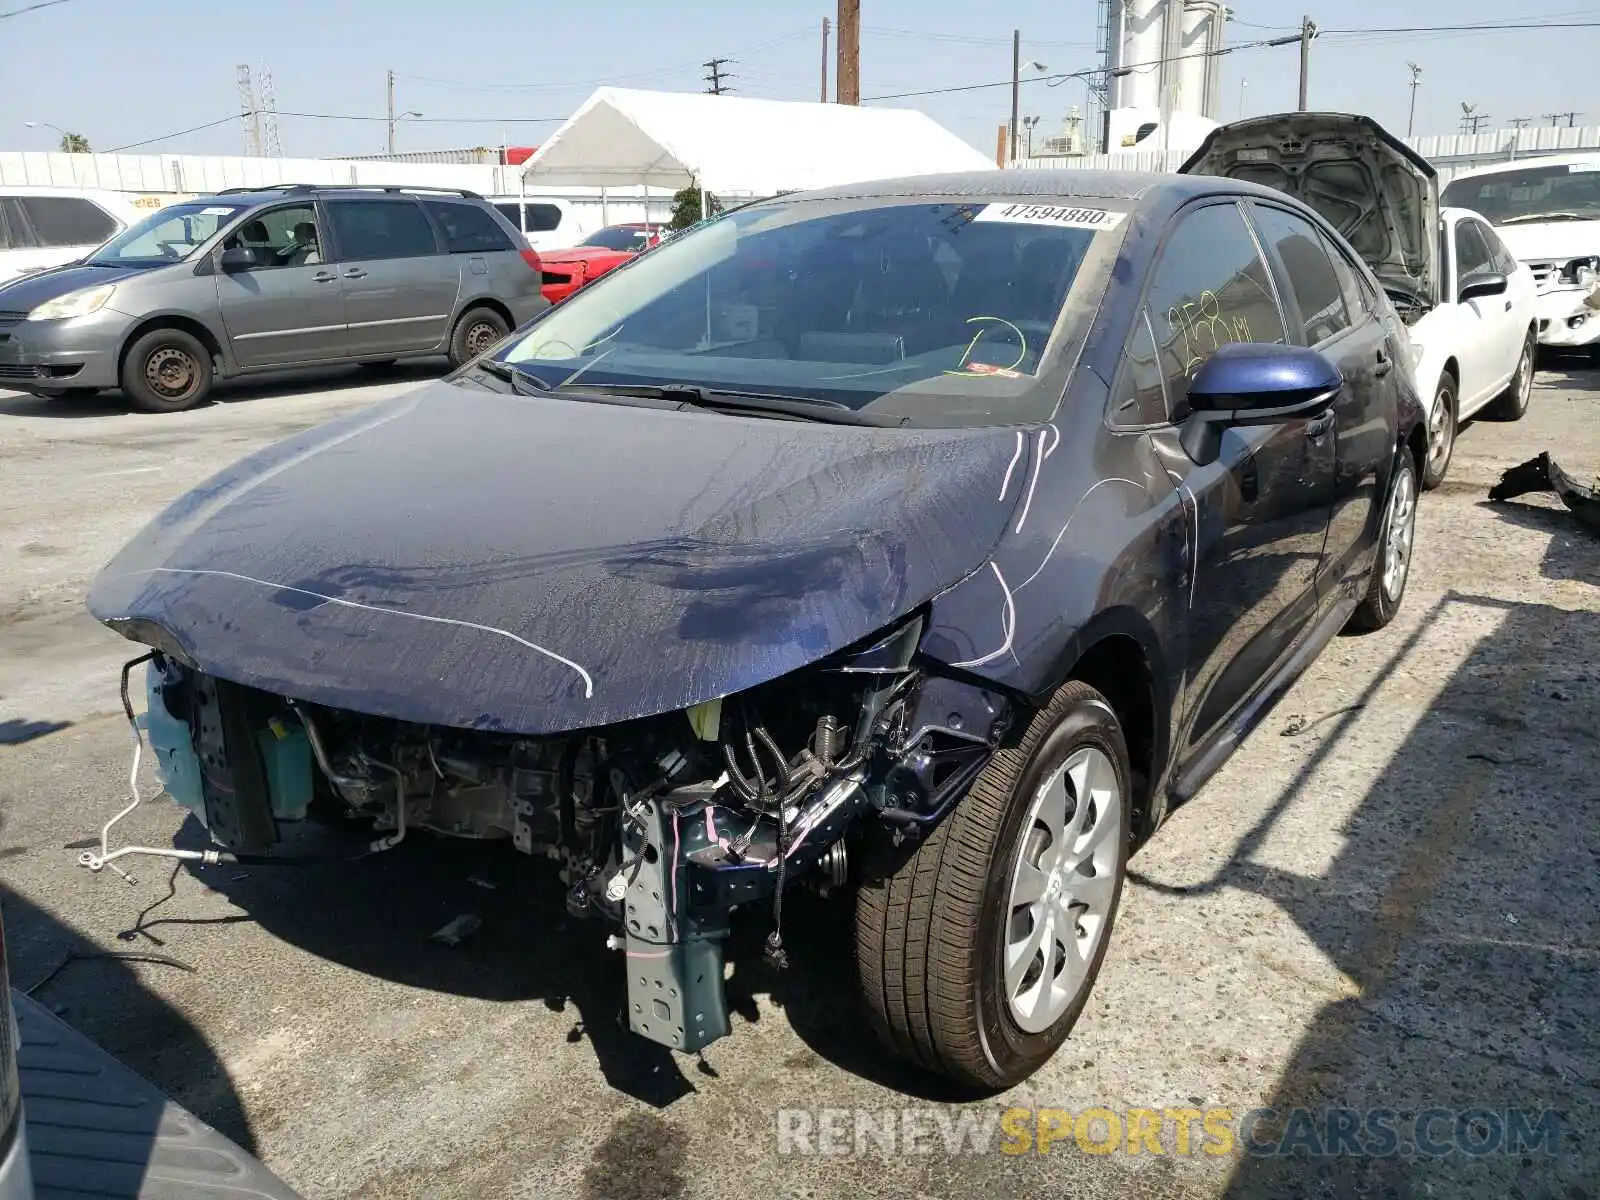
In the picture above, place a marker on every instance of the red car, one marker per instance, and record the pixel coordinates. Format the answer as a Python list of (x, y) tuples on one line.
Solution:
[(565, 271)]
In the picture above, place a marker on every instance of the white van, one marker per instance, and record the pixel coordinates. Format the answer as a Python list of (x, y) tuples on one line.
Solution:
[(1547, 213), (43, 227), (547, 223)]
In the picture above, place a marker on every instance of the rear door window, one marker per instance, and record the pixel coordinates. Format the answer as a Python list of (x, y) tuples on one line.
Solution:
[(1210, 287), (68, 220), (1313, 283), (373, 229), (467, 229)]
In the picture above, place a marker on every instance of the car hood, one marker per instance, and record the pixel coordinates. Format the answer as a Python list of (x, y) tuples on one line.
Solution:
[(1555, 241), (536, 564), (29, 291), (1370, 186)]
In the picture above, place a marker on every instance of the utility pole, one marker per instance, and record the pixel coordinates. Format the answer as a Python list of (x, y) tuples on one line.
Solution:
[(1016, 86), (391, 112), (1416, 79), (1308, 30), (250, 110), (1555, 118), (849, 81), (717, 75), (826, 26)]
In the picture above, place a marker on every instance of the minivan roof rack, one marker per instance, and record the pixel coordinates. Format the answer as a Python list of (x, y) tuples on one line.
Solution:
[(466, 193)]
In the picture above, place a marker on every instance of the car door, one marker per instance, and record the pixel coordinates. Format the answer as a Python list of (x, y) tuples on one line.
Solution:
[(400, 287), (1262, 508), (1486, 320), (287, 307), (1516, 310), (1337, 315)]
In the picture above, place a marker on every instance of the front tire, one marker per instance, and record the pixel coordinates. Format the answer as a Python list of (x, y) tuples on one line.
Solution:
[(979, 952), (1512, 404), (167, 370), (475, 331), (1441, 433), (1391, 569)]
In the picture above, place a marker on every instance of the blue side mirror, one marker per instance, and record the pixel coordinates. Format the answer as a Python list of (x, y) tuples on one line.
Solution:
[(1255, 383)]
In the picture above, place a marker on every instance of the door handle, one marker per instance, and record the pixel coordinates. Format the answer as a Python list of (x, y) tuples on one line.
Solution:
[(1508, 306), (1317, 427), (355, 273), (324, 277), (1384, 363)]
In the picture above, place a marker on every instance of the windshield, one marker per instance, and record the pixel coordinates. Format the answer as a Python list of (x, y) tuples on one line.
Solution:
[(940, 313), (1529, 193), (169, 235), (618, 237)]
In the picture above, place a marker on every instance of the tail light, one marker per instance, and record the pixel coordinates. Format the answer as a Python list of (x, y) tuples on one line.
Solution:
[(531, 257)]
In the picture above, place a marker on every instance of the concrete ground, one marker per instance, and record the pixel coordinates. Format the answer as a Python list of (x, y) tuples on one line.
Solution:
[(1388, 902)]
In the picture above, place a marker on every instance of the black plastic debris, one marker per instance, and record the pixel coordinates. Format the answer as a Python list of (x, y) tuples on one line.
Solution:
[(458, 930), (1543, 475)]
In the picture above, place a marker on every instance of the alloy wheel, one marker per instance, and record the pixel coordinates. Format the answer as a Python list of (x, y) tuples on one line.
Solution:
[(1397, 543), (1062, 887)]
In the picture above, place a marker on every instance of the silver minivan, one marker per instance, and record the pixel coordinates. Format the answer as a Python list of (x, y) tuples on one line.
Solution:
[(266, 279)]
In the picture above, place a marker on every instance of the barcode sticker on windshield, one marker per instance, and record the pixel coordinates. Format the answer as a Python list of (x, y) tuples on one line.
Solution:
[(1573, 168), (1061, 216), (218, 212)]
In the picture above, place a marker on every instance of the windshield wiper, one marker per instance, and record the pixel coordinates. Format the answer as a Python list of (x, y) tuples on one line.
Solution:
[(521, 381), (1551, 216), (805, 408)]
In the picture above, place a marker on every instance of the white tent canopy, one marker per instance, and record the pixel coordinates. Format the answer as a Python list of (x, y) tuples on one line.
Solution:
[(731, 146)]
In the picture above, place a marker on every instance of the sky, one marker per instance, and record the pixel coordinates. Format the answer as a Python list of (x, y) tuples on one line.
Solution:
[(127, 73)]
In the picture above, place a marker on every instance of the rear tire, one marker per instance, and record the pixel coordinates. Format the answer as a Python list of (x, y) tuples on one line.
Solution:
[(933, 938), (476, 330), (167, 370), (1391, 569), (1441, 433), (1512, 404)]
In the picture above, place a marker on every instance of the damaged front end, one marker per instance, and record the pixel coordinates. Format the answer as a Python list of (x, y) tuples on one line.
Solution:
[(660, 826)]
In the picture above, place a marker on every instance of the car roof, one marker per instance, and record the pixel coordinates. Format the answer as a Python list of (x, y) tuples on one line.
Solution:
[(1159, 187), (249, 197), (1533, 160)]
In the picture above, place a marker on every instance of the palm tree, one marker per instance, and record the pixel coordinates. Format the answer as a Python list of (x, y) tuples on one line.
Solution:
[(74, 143)]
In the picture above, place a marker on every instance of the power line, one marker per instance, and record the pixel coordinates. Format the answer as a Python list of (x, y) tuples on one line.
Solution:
[(17, 12), (430, 120), (1055, 80), (167, 136)]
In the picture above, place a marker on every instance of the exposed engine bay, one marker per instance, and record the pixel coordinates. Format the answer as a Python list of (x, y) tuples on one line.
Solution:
[(660, 827)]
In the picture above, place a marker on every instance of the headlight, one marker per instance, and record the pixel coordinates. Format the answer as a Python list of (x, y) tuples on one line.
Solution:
[(1417, 351), (1586, 277), (74, 304)]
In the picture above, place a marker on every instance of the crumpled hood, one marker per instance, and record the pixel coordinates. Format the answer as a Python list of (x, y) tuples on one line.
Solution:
[(29, 291), (537, 564), (1557, 241), (1370, 186)]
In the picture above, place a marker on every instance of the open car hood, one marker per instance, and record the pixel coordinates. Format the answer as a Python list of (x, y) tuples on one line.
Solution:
[(536, 564), (1370, 186)]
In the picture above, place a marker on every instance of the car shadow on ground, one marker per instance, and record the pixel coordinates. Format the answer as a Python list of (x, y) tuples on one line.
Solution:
[(234, 391), (1463, 910), (1569, 367), (99, 994), (378, 916)]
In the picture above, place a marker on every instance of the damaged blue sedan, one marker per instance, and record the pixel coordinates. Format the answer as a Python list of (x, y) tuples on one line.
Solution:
[(922, 542)]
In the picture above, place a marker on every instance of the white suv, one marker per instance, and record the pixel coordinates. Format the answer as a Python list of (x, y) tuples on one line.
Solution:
[(44, 227)]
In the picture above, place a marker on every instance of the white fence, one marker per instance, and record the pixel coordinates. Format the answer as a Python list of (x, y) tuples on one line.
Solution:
[(1449, 153)]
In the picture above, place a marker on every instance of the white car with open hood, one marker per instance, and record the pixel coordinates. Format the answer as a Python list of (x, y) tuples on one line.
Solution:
[(1468, 305), (1547, 212)]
